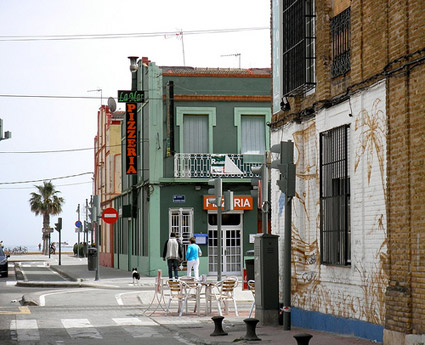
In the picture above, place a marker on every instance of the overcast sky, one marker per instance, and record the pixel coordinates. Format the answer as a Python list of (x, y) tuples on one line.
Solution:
[(33, 64)]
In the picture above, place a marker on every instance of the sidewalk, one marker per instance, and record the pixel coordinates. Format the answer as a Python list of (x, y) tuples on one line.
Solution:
[(192, 328)]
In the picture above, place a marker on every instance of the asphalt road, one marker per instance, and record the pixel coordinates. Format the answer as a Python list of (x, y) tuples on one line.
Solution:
[(75, 315)]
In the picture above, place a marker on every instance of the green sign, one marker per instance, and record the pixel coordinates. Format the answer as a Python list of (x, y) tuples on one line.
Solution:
[(131, 96)]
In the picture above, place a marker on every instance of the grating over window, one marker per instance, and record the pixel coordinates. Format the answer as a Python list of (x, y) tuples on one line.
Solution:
[(181, 221), (298, 52), (335, 231), (341, 46)]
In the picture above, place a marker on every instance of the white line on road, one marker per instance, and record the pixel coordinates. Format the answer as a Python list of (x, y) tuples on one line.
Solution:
[(80, 328), (42, 298), (118, 296), (26, 330)]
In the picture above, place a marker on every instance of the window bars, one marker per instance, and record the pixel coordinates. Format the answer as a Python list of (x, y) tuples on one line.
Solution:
[(341, 46), (335, 231), (298, 41)]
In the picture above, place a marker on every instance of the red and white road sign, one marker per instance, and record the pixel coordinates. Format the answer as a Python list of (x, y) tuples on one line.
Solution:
[(110, 215)]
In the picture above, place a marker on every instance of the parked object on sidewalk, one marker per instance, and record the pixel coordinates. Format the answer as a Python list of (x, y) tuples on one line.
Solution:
[(224, 293), (218, 326), (4, 265), (177, 293), (251, 286), (303, 338), (92, 259), (250, 329), (158, 296)]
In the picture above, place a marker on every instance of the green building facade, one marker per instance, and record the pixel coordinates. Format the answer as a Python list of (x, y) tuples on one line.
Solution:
[(194, 125)]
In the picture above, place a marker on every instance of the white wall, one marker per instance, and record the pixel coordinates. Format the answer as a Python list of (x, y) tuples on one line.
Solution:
[(356, 291)]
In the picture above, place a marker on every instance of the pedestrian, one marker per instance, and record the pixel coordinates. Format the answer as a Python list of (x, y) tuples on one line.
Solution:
[(173, 254), (192, 256), (1, 244), (39, 247)]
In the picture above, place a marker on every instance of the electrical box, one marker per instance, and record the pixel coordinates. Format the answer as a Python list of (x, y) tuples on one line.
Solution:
[(266, 272)]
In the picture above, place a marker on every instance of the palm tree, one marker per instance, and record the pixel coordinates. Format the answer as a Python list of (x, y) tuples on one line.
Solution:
[(46, 203)]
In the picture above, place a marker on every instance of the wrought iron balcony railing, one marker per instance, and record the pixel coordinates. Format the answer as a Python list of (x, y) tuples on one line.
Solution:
[(212, 165)]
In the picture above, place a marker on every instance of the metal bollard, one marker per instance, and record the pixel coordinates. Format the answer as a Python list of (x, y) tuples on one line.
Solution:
[(218, 330), (250, 329), (303, 338)]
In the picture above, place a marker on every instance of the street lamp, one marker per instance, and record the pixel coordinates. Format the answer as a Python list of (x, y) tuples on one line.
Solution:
[(133, 64)]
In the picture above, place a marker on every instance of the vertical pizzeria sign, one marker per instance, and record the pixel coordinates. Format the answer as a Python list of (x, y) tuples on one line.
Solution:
[(131, 98)]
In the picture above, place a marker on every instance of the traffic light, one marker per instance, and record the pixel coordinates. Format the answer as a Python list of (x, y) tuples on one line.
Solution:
[(216, 191), (58, 225), (228, 200), (262, 184), (286, 167)]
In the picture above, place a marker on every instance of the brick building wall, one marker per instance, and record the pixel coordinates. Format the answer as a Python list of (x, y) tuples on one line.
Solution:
[(405, 303), (387, 48)]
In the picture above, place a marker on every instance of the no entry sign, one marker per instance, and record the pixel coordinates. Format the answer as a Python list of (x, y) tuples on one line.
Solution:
[(110, 215)]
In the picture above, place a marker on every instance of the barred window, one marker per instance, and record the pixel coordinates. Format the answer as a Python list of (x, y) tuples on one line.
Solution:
[(181, 223), (341, 46), (335, 231), (298, 41)]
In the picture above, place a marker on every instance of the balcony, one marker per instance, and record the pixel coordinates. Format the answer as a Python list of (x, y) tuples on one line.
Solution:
[(190, 165)]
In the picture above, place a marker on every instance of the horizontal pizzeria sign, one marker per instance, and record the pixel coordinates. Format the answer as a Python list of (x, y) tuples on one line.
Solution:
[(239, 203)]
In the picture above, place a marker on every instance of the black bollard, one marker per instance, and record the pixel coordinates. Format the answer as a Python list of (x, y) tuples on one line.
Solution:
[(250, 329), (218, 330), (303, 338)]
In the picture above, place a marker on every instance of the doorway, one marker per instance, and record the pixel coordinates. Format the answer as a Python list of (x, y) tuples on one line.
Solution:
[(231, 243)]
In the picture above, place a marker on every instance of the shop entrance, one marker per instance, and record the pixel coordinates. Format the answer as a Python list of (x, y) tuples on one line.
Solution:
[(231, 243)]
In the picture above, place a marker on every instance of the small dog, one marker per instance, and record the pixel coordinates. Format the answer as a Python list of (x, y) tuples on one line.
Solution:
[(136, 276)]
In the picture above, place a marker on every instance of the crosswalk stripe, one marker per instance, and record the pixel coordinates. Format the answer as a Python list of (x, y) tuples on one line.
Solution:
[(130, 324), (25, 330), (134, 321), (80, 328)]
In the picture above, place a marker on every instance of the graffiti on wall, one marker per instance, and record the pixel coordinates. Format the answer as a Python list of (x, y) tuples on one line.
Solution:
[(311, 290)]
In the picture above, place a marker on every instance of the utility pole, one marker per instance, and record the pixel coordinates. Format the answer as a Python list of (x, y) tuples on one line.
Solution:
[(286, 184), (217, 192)]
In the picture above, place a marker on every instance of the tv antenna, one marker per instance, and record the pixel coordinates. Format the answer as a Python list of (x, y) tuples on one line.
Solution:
[(179, 35), (236, 54), (97, 90)]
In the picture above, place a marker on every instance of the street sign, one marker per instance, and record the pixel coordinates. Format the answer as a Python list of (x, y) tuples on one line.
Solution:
[(110, 215), (78, 224)]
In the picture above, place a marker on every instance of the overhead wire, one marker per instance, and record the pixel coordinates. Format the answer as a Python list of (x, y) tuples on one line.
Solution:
[(47, 179), (124, 35)]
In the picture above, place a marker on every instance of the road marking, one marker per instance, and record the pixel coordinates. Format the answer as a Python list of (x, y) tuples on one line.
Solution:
[(118, 297), (131, 325), (80, 328), (11, 282), (134, 321), (22, 311), (25, 330), (42, 298)]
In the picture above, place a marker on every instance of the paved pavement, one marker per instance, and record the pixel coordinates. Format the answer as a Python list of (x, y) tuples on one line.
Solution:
[(194, 329)]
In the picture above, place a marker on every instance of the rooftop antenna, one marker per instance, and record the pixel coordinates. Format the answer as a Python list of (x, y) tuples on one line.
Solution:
[(98, 90), (236, 54), (179, 35)]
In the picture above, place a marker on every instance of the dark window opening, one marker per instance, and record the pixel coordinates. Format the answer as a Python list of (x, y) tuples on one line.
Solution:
[(335, 231), (298, 40), (341, 46)]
